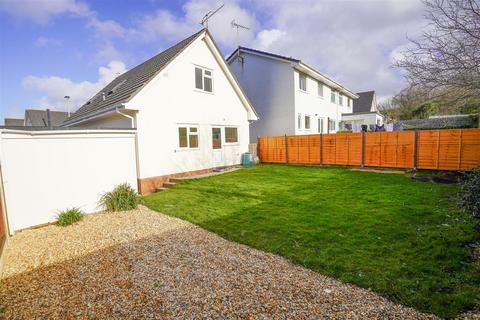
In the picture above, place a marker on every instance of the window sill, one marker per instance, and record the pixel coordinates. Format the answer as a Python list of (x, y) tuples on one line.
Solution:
[(231, 144), (203, 91), (303, 91), (186, 149)]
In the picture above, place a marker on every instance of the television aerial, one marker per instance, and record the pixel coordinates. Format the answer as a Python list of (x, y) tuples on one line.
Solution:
[(208, 15)]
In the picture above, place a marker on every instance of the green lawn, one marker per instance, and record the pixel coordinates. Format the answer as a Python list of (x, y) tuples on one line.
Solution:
[(404, 239)]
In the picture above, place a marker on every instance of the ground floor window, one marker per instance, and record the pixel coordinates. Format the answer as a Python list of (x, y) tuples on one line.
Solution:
[(307, 122), (231, 135), (188, 137), (331, 124), (320, 125)]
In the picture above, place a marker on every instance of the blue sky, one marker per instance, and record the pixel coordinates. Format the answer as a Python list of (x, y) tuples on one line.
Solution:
[(52, 48)]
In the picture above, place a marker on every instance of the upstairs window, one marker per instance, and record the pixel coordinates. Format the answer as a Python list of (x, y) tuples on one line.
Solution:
[(188, 137), (307, 122), (332, 96), (302, 82), (320, 89), (203, 79), (349, 102), (231, 135), (340, 99)]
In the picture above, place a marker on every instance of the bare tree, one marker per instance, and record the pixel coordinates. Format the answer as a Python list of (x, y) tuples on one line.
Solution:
[(446, 58)]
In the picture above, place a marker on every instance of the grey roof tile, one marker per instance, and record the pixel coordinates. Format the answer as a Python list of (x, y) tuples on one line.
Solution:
[(364, 102), (126, 85), (13, 122), (38, 118)]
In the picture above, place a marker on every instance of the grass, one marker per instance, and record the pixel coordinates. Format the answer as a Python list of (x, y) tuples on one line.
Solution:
[(405, 240), (69, 216)]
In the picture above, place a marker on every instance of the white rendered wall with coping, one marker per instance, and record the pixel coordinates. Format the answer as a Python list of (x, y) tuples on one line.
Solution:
[(47, 171)]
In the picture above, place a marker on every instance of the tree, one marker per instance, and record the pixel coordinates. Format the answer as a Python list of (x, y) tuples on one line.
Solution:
[(446, 58)]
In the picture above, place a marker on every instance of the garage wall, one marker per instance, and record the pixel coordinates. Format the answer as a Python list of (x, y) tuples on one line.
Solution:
[(47, 171)]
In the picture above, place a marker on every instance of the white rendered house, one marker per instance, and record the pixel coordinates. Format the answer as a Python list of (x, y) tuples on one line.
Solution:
[(290, 97), (365, 112), (189, 111)]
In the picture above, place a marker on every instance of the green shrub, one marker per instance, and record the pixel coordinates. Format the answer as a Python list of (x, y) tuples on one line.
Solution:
[(123, 197), (469, 194), (69, 216), (344, 131)]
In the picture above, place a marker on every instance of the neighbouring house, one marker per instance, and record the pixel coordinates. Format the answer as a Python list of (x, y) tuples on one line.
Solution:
[(290, 97), (364, 112), (38, 118), (44, 118), (12, 122), (190, 113)]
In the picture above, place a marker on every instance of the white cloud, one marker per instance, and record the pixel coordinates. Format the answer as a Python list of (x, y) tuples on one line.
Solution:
[(55, 88), (41, 11), (352, 41), (43, 42), (164, 25), (106, 28)]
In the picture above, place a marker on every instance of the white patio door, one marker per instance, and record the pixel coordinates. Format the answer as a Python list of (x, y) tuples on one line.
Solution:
[(217, 146), (320, 125)]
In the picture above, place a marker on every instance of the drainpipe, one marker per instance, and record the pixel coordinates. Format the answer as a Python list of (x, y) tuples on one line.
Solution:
[(132, 119)]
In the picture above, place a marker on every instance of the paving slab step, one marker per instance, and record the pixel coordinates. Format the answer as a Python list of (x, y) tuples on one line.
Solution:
[(169, 184), (159, 189)]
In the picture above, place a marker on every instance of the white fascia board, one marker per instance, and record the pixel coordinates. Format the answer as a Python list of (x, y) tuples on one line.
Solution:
[(252, 114), (302, 67)]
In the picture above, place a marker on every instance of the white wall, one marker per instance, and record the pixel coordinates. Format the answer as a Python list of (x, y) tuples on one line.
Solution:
[(44, 172), (363, 118), (310, 103), (269, 86), (171, 100)]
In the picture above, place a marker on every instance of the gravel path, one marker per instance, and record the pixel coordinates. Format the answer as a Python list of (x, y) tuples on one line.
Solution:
[(142, 264)]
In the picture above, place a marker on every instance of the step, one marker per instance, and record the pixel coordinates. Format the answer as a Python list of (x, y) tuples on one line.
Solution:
[(159, 189), (176, 180), (169, 184)]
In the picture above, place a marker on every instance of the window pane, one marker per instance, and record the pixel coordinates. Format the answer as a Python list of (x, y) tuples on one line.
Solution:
[(303, 82), (182, 136), (193, 139), (208, 84), (193, 129), (231, 135), (217, 138), (340, 100), (320, 89), (299, 121), (332, 96), (307, 122), (208, 72), (198, 78)]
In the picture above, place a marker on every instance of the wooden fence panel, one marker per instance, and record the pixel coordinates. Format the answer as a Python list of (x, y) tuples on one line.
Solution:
[(457, 149), (372, 149), (272, 149), (470, 149), (329, 147)]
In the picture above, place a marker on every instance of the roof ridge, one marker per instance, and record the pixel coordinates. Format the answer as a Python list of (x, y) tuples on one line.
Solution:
[(135, 79)]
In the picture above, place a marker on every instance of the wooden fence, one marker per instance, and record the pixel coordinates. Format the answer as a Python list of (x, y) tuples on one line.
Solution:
[(457, 149)]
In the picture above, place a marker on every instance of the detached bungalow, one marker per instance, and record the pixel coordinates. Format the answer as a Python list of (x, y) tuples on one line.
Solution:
[(189, 111)]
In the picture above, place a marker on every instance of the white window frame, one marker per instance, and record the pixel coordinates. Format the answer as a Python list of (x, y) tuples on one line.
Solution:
[(340, 99), (333, 96), (320, 85), (203, 79), (299, 121), (225, 135), (300, 75), (188, 127), (309, 122)]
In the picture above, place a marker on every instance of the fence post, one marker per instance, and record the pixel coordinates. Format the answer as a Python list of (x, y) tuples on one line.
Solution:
[(415, 151), (460, 145), (363, 150), (321, 149), (286, 149)]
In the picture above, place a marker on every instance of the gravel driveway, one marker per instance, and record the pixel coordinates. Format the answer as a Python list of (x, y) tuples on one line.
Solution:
[(142, 264)]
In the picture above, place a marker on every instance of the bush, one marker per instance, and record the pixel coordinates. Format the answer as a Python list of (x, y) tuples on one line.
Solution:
[(344, 131), (123, 197), (69, 216), (469, 194)]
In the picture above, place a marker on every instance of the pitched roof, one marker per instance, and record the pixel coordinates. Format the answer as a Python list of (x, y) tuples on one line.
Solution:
[(299, 64), (13, 122), (125, 86), (273, 55), (38, 118), (364, 102)]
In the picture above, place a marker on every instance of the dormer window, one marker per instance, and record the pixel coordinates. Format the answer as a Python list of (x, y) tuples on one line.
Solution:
[(203, 79)]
